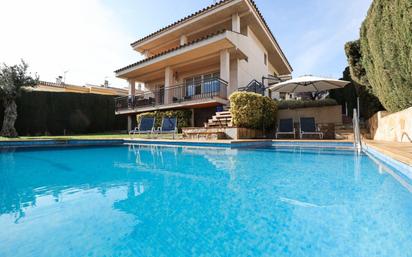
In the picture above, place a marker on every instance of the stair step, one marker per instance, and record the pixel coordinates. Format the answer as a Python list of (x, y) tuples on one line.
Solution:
[(223, 113), (218, 125), (220, 119)]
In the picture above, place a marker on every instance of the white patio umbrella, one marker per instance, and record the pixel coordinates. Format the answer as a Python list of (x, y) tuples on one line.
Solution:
[(308, 84)]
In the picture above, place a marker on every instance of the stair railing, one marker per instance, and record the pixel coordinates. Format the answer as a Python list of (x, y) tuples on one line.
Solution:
[(356, 132)]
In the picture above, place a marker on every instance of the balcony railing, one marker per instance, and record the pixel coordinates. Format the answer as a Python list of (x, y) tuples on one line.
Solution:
[(194, 91)]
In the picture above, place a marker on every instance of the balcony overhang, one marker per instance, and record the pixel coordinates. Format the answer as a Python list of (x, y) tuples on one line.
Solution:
[(209, 46), (201, 103)]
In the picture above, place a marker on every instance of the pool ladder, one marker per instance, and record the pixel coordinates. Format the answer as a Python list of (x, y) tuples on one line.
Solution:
[(356, 132)]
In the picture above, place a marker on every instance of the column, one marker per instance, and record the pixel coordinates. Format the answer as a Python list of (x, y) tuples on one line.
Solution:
[(236, 23), (168, 83), (132, 87), (130, 122), (183, 40), (130, 100), (192, 118), (225, 67)]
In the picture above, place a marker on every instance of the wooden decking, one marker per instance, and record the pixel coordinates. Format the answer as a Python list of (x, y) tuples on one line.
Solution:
[(398, 151)]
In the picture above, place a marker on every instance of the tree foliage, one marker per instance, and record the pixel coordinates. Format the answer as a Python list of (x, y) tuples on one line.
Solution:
[(369, 104), (357, 71), (14, 78), (382, 59)]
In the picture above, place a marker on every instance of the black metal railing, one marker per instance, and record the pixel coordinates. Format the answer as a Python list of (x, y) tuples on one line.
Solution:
[(254, 86), (195, 90)]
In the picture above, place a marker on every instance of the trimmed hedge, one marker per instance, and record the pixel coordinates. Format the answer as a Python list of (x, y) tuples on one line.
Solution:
[(251, 110), (294, 104), (183, 117), (57, 113)]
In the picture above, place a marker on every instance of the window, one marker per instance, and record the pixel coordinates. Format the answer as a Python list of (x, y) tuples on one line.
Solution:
[(265, 59), (210, 83), (201, 84), (193, 85)]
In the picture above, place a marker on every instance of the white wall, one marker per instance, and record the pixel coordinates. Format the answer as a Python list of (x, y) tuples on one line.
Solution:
[(395, 127), (254, 67)]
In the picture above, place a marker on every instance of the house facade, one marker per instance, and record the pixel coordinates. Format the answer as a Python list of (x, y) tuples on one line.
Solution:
[(198, 61)]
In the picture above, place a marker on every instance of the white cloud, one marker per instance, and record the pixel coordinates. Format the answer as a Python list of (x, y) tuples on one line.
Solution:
[(81, 36)]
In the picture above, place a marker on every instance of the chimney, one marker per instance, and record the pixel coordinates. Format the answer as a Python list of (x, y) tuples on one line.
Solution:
[(59, 80), (106, 83)]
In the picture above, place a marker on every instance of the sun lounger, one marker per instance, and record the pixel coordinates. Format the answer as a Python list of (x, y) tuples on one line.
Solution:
[(285, 127), (146, 126), (169, 125), (308, 127)]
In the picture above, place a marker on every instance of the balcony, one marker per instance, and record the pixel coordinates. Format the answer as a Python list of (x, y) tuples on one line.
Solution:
[(198, 93)]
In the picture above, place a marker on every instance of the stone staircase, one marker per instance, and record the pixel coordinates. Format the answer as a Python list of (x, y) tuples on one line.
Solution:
[(345, 132), (221, 119)]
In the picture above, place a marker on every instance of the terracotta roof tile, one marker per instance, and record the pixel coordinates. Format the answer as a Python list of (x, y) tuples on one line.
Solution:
[(215, 5), (181, 20)]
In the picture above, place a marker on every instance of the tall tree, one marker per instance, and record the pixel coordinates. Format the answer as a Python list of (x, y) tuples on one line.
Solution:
[(12, 80), (382, 58), (369, 104)]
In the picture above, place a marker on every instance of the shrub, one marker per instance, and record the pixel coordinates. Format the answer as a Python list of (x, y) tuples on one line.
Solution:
[(384, 53), (251, 110), (294, 104), (183, 117)]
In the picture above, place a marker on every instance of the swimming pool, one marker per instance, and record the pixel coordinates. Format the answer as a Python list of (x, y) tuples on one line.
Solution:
[(151, 200)]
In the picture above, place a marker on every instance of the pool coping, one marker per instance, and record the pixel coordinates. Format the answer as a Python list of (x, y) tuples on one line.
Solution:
[(389, 160), (58, 142), (381, 155)]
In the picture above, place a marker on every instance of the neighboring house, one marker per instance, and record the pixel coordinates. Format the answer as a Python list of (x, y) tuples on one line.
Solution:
[(87, 89), (198, 61)]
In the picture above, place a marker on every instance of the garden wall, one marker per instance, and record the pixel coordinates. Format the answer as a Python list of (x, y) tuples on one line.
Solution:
[(322, 115), (395, 127), (58, 113)]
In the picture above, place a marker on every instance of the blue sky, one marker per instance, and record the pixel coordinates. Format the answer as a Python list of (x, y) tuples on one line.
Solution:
[(91, 38)]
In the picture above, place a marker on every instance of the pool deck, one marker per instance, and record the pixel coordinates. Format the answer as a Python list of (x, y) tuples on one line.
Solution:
[(399, 151)]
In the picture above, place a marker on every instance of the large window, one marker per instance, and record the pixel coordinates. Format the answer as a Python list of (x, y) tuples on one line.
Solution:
[(202, 84)]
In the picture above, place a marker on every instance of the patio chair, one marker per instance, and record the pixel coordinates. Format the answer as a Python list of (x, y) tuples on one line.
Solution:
[(169, 125), (308, 127), (146, 126), (285, 128)]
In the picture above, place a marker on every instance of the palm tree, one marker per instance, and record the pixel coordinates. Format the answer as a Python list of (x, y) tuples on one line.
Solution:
[(12, 80)]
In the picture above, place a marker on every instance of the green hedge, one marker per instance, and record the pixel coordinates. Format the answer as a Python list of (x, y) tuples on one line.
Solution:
[(294, 104), (56, 113), (251, 110), (384, 54), (183, 117)]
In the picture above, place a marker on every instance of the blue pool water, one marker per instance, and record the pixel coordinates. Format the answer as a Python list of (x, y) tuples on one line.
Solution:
[(188, 201)]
